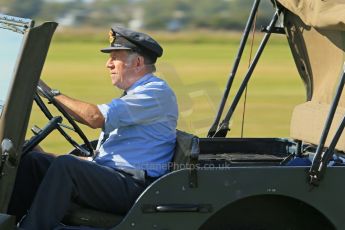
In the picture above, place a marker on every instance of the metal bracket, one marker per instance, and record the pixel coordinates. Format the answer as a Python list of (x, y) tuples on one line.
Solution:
[(194, 157), (6, 151), (273, 30)]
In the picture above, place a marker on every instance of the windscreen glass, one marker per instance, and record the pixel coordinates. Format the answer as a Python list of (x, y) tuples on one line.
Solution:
[(10, 43), (12, 31)]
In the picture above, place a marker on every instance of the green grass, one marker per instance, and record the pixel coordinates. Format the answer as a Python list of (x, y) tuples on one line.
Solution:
[(197, 66)]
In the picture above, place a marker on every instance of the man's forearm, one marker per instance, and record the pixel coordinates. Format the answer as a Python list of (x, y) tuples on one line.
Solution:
[(82, 112)]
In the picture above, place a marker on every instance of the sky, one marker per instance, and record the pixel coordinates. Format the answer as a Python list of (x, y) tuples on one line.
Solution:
[(10, 43)]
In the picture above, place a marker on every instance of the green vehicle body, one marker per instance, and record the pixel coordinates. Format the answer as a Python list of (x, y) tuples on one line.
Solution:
[(214, 182)]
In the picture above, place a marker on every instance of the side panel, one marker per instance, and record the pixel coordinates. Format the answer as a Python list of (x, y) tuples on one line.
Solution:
[(14, 121), (268, 212), (220, 188)]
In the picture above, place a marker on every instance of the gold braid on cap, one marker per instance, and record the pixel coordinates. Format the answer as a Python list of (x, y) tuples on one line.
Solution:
[(111, 37)]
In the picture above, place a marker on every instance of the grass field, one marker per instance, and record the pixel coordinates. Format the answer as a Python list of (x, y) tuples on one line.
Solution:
[(197, 67)]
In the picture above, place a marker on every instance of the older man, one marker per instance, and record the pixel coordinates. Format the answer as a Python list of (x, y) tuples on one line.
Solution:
[(136, 143)]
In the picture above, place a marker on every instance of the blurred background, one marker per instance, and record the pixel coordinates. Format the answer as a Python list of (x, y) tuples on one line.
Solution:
[(200, 40), (171, 15)]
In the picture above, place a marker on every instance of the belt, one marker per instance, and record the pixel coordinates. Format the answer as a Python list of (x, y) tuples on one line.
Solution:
[(137, 174)]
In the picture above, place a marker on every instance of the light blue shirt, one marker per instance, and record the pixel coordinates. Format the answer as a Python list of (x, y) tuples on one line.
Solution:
[(141, 127)]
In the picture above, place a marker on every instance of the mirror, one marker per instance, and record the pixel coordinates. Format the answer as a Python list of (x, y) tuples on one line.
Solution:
[(12, 31)]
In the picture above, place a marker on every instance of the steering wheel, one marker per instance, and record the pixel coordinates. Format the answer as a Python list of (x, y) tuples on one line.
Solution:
[(86, 149)]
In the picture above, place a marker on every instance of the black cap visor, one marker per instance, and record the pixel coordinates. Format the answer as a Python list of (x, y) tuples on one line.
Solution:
[(120, 44), (113, 48)]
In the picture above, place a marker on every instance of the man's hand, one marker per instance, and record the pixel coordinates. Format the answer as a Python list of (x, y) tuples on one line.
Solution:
[(44, 86), (83, 112)]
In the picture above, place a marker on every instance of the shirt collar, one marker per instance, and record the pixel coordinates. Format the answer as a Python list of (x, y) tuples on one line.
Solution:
[(139, 82)]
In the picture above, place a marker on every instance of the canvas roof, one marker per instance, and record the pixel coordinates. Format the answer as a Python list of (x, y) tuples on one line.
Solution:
[(325, 14), (316, 33)]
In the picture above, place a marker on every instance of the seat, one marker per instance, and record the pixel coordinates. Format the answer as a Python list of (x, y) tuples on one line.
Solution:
[(185, 154), (78, 215), (186, 151)]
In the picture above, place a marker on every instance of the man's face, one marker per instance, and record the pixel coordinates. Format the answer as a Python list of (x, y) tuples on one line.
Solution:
[(121, 68)]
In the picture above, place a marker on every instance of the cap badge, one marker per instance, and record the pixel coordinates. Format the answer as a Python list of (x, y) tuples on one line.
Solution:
[(111, 37)]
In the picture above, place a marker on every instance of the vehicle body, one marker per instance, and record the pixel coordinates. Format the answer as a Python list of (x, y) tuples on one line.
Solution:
[(218, 182)]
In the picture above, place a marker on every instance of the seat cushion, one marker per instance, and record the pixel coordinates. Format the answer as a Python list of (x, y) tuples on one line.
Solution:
[(82, 216)]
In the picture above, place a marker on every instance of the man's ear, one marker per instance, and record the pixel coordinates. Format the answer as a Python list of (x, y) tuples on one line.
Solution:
[(139, 64), (140, 61)]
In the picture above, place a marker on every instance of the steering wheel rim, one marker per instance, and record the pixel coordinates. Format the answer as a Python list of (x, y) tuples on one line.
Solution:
[(88, 151)]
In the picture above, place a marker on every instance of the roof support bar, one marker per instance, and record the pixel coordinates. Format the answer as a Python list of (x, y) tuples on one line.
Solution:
[(243, 42), (224, 126), (321, 158)]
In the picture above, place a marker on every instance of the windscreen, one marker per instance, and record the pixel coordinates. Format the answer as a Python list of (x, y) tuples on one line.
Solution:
[(9, 47), (12, 31)]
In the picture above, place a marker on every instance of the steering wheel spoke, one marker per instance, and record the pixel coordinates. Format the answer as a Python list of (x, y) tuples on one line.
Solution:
[(86, 149)]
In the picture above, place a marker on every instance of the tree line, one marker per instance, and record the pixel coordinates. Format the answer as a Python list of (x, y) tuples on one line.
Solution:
[(148, 14)]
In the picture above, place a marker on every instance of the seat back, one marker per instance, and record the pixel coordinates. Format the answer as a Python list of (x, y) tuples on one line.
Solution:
[(186, 151)]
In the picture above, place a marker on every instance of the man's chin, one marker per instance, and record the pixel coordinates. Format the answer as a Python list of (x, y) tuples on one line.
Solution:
[(118, 85), (115, 82)]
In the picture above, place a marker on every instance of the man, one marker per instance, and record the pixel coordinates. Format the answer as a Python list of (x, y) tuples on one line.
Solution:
[(135, 146)]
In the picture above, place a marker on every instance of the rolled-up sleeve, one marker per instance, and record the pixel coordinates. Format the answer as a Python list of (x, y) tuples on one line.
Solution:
[(111, 119), (146, 105)]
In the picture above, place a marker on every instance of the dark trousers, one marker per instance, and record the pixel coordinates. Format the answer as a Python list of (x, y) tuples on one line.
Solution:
[(49, 184)]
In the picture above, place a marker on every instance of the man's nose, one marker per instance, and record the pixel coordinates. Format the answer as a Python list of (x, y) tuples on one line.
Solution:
[(109, 64)]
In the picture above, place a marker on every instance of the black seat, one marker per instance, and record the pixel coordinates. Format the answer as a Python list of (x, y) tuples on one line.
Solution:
[(186, 153), (83, 216)]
